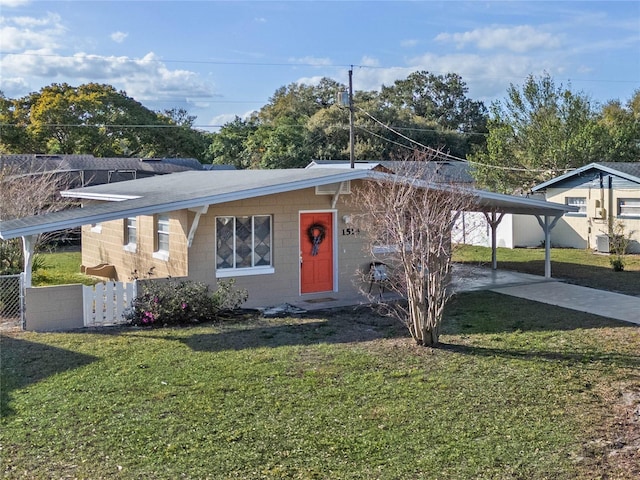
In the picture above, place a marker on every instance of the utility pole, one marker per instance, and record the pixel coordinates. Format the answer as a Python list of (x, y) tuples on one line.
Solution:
[(351, 130)]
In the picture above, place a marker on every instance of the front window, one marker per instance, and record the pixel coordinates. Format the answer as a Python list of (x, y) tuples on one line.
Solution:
[(243, 243), (130, 233), (162, 233), (629, 207), (580, 202)]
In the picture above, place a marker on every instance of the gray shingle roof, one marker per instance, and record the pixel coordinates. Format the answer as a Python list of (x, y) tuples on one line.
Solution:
[(627, 170), (28, 163), (445, 171), (194, 189)]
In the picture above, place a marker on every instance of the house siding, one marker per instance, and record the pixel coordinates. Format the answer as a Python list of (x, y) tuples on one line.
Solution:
[(282, 286), (580, 231), (107, 246), (198, 262)]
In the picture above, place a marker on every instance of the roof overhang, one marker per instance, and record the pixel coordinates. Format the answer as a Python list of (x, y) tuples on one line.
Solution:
[(580, 170), (156, 195)]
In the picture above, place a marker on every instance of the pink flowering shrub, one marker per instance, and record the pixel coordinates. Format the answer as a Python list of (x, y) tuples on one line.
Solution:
[(182, 302)]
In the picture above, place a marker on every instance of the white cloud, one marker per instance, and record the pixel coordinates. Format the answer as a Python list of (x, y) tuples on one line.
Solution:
[(119, 37), (146, 78), (522, 38), (13, 3), (487, 77), (20, 33), (369, 61)]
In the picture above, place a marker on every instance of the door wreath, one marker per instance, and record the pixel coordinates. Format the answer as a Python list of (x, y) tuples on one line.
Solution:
[(316, 233)]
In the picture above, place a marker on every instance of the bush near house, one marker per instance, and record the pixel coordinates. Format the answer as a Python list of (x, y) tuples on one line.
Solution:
[(183, 302)]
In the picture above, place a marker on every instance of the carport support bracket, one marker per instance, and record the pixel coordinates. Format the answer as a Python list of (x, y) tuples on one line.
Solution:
[(547, 227), (494, 219), (194, 226)]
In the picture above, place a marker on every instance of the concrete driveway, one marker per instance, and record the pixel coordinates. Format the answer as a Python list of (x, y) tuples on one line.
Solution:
[(549, 291)]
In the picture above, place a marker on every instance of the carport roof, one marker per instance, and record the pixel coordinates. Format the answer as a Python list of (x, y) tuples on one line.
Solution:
[(194, 189)]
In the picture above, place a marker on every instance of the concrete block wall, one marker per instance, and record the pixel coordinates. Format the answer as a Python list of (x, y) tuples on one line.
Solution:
[(54, 308)]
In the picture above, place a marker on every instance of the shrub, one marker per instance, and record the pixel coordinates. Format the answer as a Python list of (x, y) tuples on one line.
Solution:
[(182, 302)]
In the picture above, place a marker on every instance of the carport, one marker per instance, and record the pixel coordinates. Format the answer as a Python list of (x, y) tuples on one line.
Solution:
[(493, 205)]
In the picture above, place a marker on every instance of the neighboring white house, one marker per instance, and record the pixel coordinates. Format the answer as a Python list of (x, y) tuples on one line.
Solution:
[(605, 193)]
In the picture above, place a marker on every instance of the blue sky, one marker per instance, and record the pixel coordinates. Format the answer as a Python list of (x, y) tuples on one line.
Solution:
[(221, 59)]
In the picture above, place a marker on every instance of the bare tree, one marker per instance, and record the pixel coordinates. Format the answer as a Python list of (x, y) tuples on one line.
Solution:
[(408, 217), (23, 193)]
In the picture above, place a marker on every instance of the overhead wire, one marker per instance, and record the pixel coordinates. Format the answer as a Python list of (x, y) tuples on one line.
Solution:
[(453, 157)]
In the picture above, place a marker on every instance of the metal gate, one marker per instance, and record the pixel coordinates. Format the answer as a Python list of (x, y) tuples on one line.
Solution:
[(105, 303), (12, 302)]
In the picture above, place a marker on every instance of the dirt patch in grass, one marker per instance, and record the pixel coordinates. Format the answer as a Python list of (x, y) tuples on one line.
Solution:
[(614, 453)]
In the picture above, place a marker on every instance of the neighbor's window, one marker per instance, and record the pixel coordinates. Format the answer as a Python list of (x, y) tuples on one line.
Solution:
[(629, 207), (130, 233), (580, 202), (162, 233), (243, 245)]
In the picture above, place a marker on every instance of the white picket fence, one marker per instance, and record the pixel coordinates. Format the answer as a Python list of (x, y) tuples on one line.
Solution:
[(105, 303)]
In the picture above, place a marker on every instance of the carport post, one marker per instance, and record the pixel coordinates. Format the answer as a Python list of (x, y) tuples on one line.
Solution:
[(547, 227), (28, 243), (494, 220)]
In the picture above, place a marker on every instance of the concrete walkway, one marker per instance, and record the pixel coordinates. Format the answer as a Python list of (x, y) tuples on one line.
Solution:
[(467, 278), (583, 299), (549, 291)]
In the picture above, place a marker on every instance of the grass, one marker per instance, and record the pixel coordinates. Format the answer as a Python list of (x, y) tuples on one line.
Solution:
[(60, 268), (511, 394), (580, 267)]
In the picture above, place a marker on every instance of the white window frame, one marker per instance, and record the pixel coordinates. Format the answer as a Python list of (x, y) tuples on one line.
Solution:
[(580, 202), (130, 224), (632, 204), (244, 271), (162, 229)]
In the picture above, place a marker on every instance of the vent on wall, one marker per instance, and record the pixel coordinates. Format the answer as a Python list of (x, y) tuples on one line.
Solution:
[(332, 188)]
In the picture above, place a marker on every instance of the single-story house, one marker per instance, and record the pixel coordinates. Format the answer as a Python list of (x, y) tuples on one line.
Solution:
[(284, 235), (604, 193)]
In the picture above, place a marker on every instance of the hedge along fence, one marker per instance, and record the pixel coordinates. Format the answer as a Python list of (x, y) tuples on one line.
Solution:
[(167, 301)]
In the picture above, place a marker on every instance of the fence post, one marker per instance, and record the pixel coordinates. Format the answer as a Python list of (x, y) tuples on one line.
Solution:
[(23, 305)]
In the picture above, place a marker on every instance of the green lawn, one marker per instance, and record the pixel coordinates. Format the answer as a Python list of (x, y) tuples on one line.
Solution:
[(511, 394), (581, 267), (60, 269)]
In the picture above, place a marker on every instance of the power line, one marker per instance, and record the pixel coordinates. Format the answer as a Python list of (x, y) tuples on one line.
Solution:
[(438, 153)]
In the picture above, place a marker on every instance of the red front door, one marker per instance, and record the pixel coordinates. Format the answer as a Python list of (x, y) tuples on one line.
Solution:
[(316, 245)]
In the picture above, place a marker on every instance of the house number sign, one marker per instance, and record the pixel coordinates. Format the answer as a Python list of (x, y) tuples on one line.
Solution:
[(350, 231)]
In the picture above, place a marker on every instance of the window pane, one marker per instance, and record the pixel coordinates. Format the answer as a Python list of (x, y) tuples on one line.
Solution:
[(244, 242), (580, 202), (224, 242), (629, 207), (163, 233), (131, 231), (262, 240)]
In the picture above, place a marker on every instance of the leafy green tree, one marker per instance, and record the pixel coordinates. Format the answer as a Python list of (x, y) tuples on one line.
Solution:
[(303, 122), (229, 145), (97, 119), (539, 131), (621, 130), (441, 99)]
